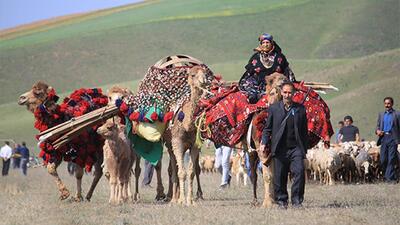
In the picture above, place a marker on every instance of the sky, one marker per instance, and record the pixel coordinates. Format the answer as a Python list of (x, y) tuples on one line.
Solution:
[(18, 12)]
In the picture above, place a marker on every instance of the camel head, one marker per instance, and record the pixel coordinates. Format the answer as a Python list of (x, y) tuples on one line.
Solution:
[(272, 88), (41, 93), (197, 77), (111, 129), (117, 92)]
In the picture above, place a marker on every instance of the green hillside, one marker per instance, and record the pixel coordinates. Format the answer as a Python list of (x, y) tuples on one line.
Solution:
[(353, 44)]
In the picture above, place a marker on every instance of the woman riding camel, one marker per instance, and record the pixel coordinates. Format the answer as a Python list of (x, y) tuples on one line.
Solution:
[(267, 59)]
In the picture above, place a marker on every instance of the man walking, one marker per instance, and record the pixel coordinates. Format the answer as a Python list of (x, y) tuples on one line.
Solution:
[(285, 134), (349, 132), (5, 153), (222, 164), (388, 131), (24, 151)]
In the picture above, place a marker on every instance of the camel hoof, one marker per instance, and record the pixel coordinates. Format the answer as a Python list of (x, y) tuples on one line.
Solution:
[(199, 196), (160, 197), (254, 203), (136, 197), (77, 198), (64, 194), (267, 204)]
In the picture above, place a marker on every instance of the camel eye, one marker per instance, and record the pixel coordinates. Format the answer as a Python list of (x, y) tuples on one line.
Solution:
[(110, 128)]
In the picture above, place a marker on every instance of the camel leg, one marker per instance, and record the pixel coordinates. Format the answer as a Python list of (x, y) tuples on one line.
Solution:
[(268, 185), (98, 172), (253, 158), (245, 178), (174, 182), (130, 195), (199, 193), (194, 154), (52, 170), (78, 175), (177, 148), (160, 188), (136, 196)]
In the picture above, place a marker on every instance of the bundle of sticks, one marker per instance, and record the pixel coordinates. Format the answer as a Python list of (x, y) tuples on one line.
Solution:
[(63, 133), (317, 86)]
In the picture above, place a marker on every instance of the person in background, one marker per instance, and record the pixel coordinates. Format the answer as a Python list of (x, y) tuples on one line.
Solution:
[(24, 152), (16, 160), (338, 136), (388, 131), (349, 132), (148, 174), (5, 154), (222, 164)]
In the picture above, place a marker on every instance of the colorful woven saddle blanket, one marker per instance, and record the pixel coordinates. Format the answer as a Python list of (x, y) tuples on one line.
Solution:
[(228, 115)]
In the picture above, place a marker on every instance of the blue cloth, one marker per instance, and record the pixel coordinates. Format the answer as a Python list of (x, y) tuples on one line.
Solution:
[(387, 121), (388, 157), (24, 151)]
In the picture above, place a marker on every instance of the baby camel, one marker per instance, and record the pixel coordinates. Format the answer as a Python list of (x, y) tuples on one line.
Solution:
[(118, 159)]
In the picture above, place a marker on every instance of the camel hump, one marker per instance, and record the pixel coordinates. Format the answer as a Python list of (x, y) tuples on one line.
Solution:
[(180, 60)]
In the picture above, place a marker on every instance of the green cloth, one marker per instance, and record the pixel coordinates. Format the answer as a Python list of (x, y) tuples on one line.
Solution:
[(151, 151), (151, 110)]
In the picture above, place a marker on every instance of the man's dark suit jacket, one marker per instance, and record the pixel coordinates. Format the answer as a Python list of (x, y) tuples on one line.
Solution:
[(395, 126), (272, 132)]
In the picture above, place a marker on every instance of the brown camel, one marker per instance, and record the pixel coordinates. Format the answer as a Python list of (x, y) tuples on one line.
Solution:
[(118, 160), (32, 99), (118, 93), (183, 135)]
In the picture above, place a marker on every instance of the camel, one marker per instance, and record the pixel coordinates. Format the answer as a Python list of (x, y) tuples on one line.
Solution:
[(182, 137), (273, 82), (38, 97), (118, 160), (118, 93)]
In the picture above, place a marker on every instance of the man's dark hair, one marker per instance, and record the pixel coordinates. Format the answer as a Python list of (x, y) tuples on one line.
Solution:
[(23, 143), (7, 142), (287, 83), (348, 118), (341, 122), (388, 98)]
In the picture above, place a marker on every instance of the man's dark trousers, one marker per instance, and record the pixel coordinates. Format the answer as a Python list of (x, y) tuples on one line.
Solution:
[(6, 167), (388, 157), (287, 160)]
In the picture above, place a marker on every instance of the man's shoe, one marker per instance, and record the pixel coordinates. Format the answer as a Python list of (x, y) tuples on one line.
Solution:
[(297, 206), (282, 205), (223, 186)]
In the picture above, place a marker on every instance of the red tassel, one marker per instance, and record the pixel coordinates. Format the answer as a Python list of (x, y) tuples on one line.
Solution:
[(168, 116), (154, 116), (134, 116), (123, 107)]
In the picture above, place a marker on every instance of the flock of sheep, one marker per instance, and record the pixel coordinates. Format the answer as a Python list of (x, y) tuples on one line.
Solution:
[(348, 162)]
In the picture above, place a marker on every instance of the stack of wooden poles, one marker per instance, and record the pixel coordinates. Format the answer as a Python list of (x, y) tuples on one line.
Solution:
[(63, 133)]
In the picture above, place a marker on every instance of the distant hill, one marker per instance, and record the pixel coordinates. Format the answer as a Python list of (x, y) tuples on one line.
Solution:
[(348, 43)]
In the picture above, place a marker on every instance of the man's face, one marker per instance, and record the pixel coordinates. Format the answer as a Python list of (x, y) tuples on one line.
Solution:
[(388, 104), (287, 94), (347, 122), (340, 125)]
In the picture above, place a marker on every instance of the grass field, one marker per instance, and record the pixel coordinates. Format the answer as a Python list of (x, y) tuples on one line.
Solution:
[(33, 200)]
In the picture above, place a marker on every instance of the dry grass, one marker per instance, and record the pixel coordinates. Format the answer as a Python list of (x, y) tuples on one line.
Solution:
[(33, 200)]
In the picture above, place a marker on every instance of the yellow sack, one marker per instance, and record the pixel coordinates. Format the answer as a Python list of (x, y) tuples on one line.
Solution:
[(151, 131)]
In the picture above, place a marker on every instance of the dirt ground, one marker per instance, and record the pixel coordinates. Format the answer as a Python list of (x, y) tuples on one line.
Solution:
[(34, 200)]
